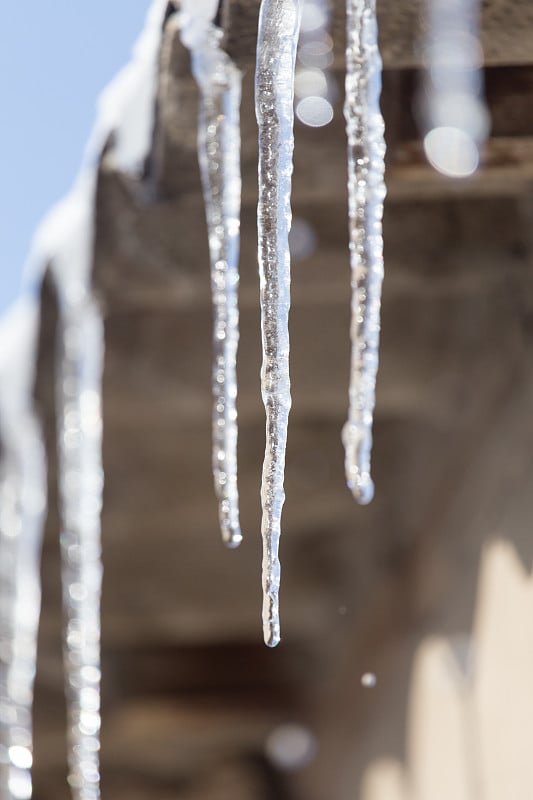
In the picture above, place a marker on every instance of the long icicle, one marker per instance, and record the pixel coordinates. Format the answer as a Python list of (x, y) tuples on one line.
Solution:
[(219, 82), (22, 510), (279, 23), (80, 346), (366, 193)]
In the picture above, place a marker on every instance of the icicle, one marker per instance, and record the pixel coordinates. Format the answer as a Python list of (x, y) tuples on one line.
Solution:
[(455, 118), (279, 22), (65, 240), (22, 509), (80, 350), (68, 236), (366, 193), (219, 82)]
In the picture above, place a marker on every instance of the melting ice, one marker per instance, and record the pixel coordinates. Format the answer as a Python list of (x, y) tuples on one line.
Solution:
[(22, 509), (64, 240), (366, 193), (219, 83), (279, 22), (127, 110)]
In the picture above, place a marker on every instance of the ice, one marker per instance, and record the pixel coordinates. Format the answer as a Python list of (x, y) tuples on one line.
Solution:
[(366, 193), (22, 509), (279, 22), (65, 240), (80, 354), (219, 82)]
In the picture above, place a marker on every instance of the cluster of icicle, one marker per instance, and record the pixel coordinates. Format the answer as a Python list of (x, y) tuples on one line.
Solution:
[(454, 102), (23, 506), (219, 83), (65, 243)]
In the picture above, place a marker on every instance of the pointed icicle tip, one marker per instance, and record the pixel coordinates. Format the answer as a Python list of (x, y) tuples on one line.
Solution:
[(232, 537), (272, 636), (366, 191), (362, 490)]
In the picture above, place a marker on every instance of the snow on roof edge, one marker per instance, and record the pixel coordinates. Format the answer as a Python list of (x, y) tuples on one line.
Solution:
[(64, 238), (125, 108)]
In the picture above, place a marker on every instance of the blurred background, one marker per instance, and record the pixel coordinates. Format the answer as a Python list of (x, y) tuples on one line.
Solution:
[(404, 671)]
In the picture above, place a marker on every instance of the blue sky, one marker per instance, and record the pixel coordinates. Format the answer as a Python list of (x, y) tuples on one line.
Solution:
[(54, 60)]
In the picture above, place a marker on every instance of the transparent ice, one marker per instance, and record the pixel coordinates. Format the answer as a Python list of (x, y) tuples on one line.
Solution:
[(279, 22), (219, 83), (80, 355), (65, 241), (366, 193), (22, 510)]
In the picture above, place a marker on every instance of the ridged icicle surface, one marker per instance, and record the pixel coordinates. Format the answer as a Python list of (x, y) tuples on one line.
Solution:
[(80, 356), (366, 193), (219, 82), (279, 23)]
